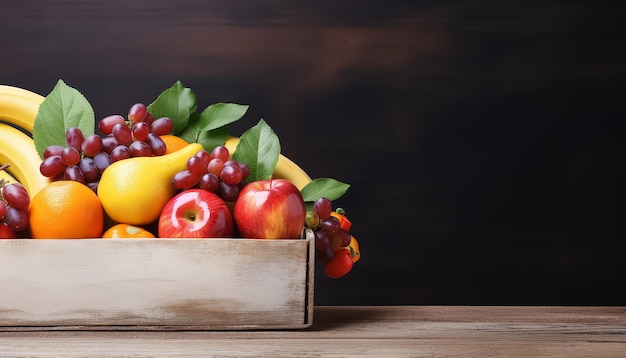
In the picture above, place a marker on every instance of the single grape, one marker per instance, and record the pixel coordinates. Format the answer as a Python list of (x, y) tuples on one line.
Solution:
[(52, 166), (139, 149), (109, 143), (228, 192), (215, 166), (325, 255), (231, 174), (137, 113), (89, 169), (209, 182), (141, 130), (106, 124), (70, 156), (323, 207), (102, 161), (119, 153), (196, 166), (311, 220), (205, 156), (52, 150), (3, 209), (340, 239), (245, 170), (122, 133), (74, 173), (94, 186), (17, 219), (322, 240), (162, 126), (74, 137), (220, 152), (185, 180), (92, 145), (156, 144), (16, 195), (148, 118), (330, 225)]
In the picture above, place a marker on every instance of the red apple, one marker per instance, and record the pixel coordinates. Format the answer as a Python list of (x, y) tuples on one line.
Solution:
[(195, 213), (270, 209)]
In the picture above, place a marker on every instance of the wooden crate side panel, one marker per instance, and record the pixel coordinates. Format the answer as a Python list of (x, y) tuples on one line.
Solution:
[(164, 282)]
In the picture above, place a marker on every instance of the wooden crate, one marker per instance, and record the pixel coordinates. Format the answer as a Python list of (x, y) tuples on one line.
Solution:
[(156, 284)]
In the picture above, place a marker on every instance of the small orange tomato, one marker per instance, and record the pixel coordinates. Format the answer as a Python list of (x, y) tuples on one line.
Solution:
[(340, 264), (125, 231), (355, 251), (344, 223)]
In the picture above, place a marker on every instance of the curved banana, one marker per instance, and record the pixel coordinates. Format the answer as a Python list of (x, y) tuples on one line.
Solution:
[(6, 176), (18, 149), (19, 106), (285, 168)]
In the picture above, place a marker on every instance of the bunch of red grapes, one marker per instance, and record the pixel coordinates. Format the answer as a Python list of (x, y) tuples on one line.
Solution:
[(83, 159), (14, 202), (215, 172), (329, 236)]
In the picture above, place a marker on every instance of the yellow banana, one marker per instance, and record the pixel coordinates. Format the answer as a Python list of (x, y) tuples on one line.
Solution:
[(285, 168), (18, 149), (4, 175), (19, 106)]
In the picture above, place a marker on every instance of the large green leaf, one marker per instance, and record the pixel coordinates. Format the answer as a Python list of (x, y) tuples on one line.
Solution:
[(64, 107), (259, 149), (177, 103)]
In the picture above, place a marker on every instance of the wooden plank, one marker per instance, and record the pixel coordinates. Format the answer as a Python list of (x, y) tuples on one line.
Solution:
[(168, 283), (400, 331)]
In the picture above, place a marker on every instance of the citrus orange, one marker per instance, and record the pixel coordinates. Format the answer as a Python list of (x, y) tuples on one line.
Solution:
[(127, 231), (65, 210), (173, 143)]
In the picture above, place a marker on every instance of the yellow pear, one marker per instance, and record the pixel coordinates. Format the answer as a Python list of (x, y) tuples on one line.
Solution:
[(135, 190)]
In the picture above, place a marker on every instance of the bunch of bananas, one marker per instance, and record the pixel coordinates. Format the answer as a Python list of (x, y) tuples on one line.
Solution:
[(18, 109)]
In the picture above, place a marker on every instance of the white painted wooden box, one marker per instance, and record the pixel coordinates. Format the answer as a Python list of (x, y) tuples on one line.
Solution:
[(156, 284)]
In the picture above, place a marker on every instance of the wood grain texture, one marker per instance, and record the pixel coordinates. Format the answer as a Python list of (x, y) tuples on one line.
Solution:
[(367, 331), (210, 284)]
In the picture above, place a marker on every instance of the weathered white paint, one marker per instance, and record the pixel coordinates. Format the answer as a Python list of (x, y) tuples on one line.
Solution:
[(219, 283)]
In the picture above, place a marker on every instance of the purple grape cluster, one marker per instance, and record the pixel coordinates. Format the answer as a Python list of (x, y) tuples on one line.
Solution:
[(14, 202), (83, 159), (215, 172)]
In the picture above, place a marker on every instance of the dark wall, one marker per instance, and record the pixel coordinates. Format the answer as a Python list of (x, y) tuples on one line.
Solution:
[(480, 140)]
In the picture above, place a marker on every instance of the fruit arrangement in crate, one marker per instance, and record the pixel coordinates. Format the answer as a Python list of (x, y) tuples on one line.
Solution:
[(164, 170)]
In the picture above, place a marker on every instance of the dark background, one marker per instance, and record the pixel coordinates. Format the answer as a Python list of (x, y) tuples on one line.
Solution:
[(480, 139)]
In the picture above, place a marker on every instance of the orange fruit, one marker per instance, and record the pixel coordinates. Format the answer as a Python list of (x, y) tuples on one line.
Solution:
[(173, 143), (127, 231), (65, 210)]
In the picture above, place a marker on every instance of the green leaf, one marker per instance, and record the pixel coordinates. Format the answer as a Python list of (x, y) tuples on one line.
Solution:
[(259, 149), (64, 107), (209, 139), (324, 188), (220, 114), (191, 132), (213, 138), (177, 103)]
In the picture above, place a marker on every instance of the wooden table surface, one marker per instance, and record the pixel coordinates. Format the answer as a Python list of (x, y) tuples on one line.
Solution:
[(397, 331)]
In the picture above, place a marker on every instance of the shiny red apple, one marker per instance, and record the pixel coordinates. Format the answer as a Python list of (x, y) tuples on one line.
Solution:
[(195, 213), (269, 209)]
